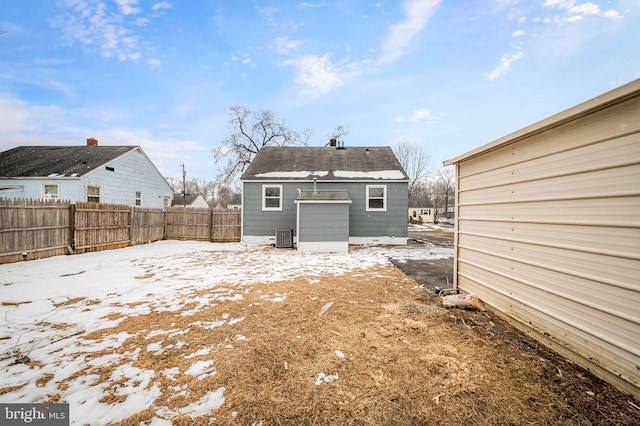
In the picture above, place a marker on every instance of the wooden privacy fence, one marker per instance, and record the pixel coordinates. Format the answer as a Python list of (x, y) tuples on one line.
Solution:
[(33, 229)]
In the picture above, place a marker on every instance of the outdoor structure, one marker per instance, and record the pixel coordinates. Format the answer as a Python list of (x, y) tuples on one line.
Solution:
[(195, 201), (325, 197), (104, 174), (420, 209), (235, 203), (548, 232)]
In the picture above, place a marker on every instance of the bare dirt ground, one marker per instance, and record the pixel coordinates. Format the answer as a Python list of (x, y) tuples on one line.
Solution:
[(385, 352)]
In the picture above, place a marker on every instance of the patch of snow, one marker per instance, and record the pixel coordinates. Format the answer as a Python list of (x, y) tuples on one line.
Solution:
[(55, 334), (200, 368), (204, 351), (379, 174), (323, 378), (339, 354), (292, 175), (209, 402)]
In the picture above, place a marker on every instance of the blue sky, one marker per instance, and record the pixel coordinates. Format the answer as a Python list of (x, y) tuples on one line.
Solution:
[(448, 75)]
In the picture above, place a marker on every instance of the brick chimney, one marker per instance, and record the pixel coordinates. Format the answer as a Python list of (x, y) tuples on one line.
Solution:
[(92, 142)]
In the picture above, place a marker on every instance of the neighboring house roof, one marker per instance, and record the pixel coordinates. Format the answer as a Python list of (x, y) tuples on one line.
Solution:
[(325, 164), (181, 200), (57, 161), (236, 200), (419, 201)]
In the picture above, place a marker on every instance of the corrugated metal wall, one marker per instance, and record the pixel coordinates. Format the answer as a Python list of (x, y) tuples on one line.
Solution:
[(549, 235)]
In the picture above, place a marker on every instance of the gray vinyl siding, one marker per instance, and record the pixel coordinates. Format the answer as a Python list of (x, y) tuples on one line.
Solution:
[(362, 223), (324, 222)]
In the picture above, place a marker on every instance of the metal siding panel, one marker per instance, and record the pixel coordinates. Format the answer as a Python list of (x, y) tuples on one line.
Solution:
[(615, 182), (549, 234), (619, 120), (624, 242), (620, 212), (617, 354), (606, 269), (612, 153)]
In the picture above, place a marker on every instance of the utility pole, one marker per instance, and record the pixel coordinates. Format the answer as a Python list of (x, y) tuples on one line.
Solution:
[(184, 186)]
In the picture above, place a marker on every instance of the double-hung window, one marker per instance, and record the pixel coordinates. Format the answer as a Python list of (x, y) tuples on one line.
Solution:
[(93, 194), (376, 198), (272, 197), (50, 192), (138, 198)]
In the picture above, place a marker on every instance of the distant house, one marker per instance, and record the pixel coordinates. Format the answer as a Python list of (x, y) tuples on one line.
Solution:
[(327, 197), (235, 203), (105, 174), (420, 209), (548, 232), (190, 200)]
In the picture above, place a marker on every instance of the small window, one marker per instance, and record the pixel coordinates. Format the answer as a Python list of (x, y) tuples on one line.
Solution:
[(272, 197), (93, 194), (138, 198), (50, 192), (377, 198)]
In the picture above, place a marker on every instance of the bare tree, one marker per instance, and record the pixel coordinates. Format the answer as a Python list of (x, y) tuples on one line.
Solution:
[(248, 133), (338, 133), (194, 185), (415, 162), (442, 190)]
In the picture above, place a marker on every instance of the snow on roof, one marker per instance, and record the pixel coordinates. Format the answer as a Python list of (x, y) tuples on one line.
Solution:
[(297, 175), (380, 174)]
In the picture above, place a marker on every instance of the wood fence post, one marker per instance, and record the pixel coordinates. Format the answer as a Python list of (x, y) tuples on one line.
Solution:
[(131, 212), (72, 229)]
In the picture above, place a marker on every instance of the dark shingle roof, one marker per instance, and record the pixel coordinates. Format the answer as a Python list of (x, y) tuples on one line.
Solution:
[(419, 201), (57, 161), (181, 200), (325, 163)]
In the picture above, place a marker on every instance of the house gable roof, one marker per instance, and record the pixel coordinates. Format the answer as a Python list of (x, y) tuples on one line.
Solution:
[(57, 161), (419, 201), (182, 200), (325, 164)]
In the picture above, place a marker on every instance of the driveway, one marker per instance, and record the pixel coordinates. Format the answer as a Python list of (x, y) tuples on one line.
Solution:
[(429, 273)]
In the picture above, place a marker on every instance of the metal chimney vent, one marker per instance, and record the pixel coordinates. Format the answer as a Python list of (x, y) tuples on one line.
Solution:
[(284, 238)]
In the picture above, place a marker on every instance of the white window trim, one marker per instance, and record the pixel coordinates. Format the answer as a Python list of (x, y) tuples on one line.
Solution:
[(99, 193), (384, 198), (48, 196), (135, 198), (271, 209)]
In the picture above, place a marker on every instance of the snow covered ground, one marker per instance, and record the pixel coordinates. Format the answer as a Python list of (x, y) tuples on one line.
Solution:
[(72, 296)]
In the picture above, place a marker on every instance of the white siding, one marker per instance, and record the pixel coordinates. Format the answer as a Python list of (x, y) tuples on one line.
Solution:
[(548, 233), (132, 172)]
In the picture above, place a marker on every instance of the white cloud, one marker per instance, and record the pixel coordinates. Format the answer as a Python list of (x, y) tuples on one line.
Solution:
[(128, 7), (162, 5), (316, 73), (400, 36), (99, 26), (312, 5), (612, 14), (585, 9), (283, 45), (518, 33), (418, 115), (503, 66)]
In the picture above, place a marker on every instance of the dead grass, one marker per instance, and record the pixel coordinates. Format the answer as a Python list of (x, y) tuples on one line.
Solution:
[(407, 361)]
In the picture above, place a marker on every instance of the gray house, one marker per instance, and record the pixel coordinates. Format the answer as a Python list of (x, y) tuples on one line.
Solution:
[(105, 174), (324, 198)]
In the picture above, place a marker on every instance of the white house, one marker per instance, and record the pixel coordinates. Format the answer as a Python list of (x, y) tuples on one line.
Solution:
[(105, 174)]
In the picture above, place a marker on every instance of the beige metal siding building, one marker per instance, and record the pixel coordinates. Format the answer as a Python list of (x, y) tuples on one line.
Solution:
[(548, 232)]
